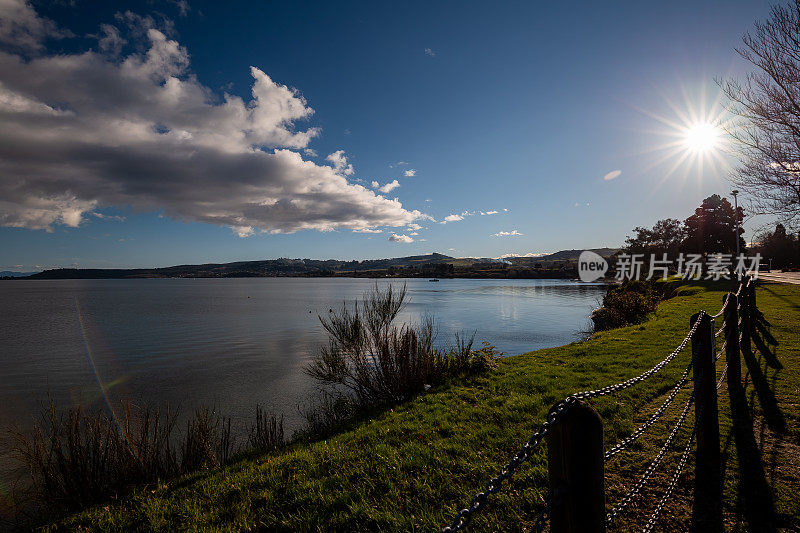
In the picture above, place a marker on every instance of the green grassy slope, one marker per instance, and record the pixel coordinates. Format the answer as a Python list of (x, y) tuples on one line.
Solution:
[(412, 467)]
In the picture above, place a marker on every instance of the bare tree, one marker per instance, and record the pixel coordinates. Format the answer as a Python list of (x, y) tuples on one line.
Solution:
[(767, 104)]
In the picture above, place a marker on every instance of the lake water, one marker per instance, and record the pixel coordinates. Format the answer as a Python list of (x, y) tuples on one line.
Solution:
[(235, 342)]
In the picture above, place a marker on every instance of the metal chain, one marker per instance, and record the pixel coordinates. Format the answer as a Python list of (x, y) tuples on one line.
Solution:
[(585, 395), (626, 442), (721, 351), (724, 306), (464, 516), (651, 523), (721, 329), (544, 517), (722, 376), (628, 498)]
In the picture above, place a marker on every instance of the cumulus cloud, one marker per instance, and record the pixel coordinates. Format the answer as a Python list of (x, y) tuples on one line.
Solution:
[(400, 238), (22, 29), (489, 212), (310, 152), (340, 164), (389, 187), (612, 175), (414, 227), (110, 40), (410, 173), (512, 233), (452, 218), (82, 131)]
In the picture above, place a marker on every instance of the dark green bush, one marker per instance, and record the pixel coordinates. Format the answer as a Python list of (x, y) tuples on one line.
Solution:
[(629, 303)]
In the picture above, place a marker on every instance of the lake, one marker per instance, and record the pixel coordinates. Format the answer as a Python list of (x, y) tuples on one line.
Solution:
[(235, 342)]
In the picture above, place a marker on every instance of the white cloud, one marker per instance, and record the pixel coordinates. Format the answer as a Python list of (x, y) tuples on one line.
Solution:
[(612, 175), (452, 218), (101, 216), (489, 212), (389, 187), (310, 152), (22, 29), (414, 227), (413, 233), (243, 231), (340, 164), (110, 40), (82, 131), (367, 230), (529, 254), (428, 200), (183, 6), (400, 238), (401, 163), (430, 52), (410, 173), (512, 233)]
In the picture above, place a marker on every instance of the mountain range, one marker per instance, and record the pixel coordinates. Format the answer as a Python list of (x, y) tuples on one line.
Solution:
[(434, 264)]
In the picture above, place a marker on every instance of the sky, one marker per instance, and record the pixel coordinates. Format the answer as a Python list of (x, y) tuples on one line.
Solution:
[(155, 133)]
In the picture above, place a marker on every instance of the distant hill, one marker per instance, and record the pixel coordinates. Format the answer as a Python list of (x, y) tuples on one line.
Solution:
[(12, 274), (431, 265), (572, 255), (245, 269)]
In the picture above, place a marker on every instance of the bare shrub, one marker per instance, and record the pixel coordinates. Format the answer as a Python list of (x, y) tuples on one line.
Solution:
[(378, 362), (207, 442), (75, 459), (267, 433), (327, 413)]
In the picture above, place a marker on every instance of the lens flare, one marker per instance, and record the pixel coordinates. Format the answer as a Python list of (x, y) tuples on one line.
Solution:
[(100, 383)]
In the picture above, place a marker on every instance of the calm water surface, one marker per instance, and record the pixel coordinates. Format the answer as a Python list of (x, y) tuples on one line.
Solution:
[(234, 342)]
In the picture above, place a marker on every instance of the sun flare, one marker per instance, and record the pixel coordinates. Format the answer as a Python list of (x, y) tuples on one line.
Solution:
[(695, 138), (702, 137)]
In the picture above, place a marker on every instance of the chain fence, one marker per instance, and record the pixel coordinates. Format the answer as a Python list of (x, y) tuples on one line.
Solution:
[(464, 517)]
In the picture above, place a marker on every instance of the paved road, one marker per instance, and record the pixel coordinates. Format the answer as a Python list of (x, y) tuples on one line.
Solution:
[(781, 277)]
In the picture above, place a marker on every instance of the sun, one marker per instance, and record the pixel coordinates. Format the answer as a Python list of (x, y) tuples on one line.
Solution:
[(701, 137), (694, 138)]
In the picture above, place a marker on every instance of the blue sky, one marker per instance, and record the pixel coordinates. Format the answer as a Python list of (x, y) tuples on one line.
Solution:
[(516, 107)]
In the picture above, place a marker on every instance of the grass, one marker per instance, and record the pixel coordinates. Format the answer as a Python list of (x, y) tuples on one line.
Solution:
[(411, 467)]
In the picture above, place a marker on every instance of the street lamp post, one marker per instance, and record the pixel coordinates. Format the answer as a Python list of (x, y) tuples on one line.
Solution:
[(735, 194)]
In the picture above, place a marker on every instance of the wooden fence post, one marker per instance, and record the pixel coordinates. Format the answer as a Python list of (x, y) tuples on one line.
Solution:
[(732, 356), (707, 511), (575, 466)]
